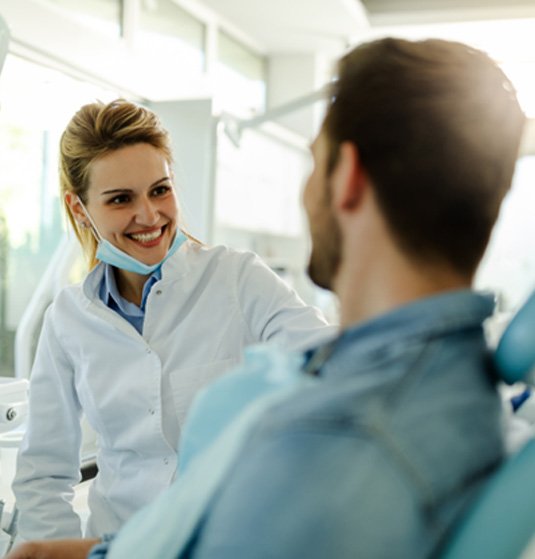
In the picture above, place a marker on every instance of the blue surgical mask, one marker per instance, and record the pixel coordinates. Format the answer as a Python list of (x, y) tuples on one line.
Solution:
[(110, 254)]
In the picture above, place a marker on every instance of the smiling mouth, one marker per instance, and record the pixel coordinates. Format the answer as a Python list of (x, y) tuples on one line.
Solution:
[(148, 237)]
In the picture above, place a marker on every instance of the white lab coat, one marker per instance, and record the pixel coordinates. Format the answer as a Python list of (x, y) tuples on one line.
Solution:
[(209, 305)]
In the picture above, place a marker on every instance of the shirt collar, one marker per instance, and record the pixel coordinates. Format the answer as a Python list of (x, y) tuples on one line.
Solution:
[(109, 292), (423, 319)]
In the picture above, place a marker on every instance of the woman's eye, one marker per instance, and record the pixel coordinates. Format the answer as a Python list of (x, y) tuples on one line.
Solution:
[(119, 199), (161, 190)]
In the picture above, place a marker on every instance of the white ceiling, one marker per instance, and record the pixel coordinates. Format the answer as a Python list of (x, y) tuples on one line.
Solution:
[(389, 12), (329, 26), (279, 26)]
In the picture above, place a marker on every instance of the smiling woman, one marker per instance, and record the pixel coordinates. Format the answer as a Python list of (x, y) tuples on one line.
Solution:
[(158, 316), (130, 207)]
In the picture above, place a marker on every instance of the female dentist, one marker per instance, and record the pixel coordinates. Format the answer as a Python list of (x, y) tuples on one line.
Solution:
[(158, 316)]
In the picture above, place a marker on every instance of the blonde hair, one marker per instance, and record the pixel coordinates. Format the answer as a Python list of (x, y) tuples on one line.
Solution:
[(94, 131)]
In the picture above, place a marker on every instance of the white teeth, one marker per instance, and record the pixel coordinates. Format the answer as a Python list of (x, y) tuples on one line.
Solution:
[(146, 237)]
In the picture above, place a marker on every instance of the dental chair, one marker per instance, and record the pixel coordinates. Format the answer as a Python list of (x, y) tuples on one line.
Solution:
[(500, 524)]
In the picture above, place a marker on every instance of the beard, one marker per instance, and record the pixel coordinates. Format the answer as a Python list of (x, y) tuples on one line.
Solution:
[(325, 255)]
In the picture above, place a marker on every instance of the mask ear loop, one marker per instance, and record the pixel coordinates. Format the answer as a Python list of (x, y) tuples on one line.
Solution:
[(94, 229)]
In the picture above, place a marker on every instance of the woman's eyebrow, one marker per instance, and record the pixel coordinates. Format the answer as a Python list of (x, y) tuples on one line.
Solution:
[(115, 191), (166, 178), (127, 190)]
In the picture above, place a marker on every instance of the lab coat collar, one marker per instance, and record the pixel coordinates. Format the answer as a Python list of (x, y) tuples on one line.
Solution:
[(178, 265)]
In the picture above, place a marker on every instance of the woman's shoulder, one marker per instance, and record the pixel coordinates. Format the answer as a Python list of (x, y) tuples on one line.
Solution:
[(222, 254), (215, 250), (71, 298), (200, 264), (62, 310)]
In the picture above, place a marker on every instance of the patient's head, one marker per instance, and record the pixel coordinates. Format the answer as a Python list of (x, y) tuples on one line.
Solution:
[(437, 126)]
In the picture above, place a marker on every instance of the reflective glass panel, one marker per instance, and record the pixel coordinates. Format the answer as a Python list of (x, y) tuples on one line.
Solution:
[(240, 77), (172, 37), (35, 105)]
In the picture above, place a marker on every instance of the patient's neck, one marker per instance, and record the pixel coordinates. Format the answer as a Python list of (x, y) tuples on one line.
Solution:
[(366, 290)]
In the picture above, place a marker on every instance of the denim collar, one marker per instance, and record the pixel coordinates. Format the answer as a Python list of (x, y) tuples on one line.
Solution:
[(360, 346)]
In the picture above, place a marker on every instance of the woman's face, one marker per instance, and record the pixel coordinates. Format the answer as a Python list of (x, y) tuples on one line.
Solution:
[(132, 201)]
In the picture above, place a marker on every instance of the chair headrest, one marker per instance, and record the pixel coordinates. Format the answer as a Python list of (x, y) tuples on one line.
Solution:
[(515, 355)]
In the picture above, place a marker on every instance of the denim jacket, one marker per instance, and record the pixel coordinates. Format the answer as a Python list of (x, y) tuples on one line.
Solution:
[(376, 458)]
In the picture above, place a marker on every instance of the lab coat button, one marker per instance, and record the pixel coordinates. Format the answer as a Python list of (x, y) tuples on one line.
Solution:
[(149, 350), (152, 412), (159, 292), (166, 461)]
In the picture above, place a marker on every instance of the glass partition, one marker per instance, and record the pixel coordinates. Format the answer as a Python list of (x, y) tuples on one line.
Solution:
[(240, 77), (508, 267), (173, 37), (35, 105)]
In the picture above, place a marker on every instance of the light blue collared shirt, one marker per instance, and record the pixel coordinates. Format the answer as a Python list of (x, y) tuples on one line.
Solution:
[(110, 296)]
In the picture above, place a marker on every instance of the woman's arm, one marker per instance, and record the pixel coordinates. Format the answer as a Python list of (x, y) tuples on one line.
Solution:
[(274, 311), (48, 465), (55, 549)]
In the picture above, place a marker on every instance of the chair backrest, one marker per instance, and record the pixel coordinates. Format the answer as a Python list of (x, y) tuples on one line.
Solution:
[(501, 522)]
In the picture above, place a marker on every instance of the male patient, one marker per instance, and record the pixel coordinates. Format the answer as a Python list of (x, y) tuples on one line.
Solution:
[(377, 455)]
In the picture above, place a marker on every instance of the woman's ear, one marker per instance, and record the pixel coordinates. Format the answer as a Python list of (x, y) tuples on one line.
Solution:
[(349, 180), (75, 207)]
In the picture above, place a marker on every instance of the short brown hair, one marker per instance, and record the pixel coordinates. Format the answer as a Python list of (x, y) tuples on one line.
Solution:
[(438, 127)]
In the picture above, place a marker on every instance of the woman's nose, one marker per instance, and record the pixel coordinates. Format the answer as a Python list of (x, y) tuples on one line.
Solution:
[(147, 213)]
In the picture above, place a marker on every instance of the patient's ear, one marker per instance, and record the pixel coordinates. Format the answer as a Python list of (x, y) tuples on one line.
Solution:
[(349, 179)]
